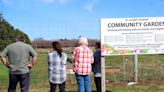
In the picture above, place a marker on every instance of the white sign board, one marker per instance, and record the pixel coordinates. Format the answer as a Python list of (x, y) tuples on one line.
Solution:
[(127, 36)]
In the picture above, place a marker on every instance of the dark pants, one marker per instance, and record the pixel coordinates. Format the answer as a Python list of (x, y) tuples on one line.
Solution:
[(61, 87), (22, 78), (98, 83)]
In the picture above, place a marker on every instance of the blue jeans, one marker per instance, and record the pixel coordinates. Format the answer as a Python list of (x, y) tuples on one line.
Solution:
[(83, 82), (22, 78)]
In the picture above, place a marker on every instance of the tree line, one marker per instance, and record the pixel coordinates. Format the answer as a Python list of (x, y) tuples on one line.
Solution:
[(8, 33), (41, 43)]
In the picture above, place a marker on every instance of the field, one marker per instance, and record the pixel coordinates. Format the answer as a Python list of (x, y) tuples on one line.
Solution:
[(151, 75)]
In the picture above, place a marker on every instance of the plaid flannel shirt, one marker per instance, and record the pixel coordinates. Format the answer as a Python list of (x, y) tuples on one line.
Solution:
[(82, 59), (56, 67)]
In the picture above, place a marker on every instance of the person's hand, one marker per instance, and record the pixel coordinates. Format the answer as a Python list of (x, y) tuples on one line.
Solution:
[(69, 60), (29, 66), (8, 66)]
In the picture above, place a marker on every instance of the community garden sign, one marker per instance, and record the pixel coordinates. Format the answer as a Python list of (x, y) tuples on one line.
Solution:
[(131, 36), (128, 36)]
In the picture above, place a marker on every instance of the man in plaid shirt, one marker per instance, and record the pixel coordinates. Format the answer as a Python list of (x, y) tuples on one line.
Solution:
[(82, 59)]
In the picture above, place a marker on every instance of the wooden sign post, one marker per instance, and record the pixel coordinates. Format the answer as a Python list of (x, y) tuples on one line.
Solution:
[(103, 74)]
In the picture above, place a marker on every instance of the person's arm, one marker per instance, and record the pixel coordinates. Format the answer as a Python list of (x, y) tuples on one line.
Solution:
[(34, 60), (34, 57), (74, 55), (4, 58), (65, 58), (5, 61)]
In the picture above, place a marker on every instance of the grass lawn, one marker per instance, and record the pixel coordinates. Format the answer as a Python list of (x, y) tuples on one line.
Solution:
[(153, 63)]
